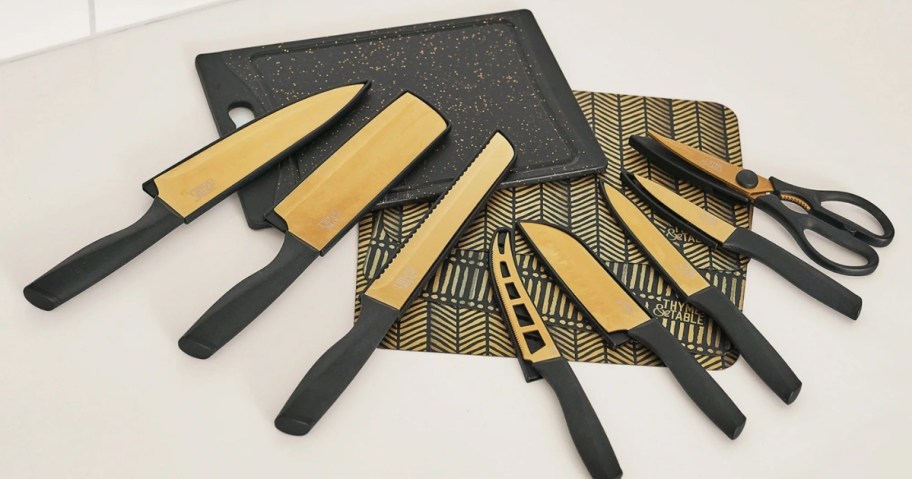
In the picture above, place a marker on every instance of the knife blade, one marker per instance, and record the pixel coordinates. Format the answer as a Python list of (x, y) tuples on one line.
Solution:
[(391, 292), (757, 351), (612, 309), (718, 234), (320, 210), (537, 347), (192, 186)]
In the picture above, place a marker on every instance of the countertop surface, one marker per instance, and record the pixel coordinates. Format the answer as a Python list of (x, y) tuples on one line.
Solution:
[(98, 388)]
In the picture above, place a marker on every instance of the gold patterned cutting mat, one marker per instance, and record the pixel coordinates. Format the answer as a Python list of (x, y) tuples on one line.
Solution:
[(457, 312)]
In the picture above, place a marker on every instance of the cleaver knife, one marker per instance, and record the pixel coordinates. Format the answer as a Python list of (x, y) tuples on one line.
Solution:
[(192, 186), (320, 210)]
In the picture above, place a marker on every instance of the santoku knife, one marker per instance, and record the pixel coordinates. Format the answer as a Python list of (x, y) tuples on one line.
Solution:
[(192, 186), (536, 347), (391, 292), (612, 309), (321, 210), (718, 234), (757, 351)]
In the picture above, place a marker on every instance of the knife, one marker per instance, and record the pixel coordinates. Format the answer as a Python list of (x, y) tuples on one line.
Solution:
[(537, 348), (320, 210), (718, 234), (613, 309), (757, 351), (388, 295), (192, 186)]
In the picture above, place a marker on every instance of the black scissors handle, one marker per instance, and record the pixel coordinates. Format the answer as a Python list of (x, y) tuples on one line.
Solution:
[(816, 198), (797, 224)]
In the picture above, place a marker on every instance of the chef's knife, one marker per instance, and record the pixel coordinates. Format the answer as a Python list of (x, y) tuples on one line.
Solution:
[(612, 309), (192, 186), (537, 348), (394, 289), (321, 210), (757, 351), (718, 234)]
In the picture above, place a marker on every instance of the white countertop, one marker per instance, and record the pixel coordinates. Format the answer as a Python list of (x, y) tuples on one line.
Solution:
[(98, 388)]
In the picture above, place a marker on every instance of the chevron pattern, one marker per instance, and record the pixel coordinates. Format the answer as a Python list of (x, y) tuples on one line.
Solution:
[(457, 312)]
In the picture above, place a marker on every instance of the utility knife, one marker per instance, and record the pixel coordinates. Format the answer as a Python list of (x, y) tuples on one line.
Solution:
[(320, 210), (716, 234), (395, 288), (537, 348), (192, 186), (612, 309), (757, 351)]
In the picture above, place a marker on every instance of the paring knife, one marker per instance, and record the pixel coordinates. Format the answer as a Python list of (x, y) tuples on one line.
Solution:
[(192, 186), (321, 210), (757, 351), (391, 292), (612, 309), (718, 234), (536, 347)]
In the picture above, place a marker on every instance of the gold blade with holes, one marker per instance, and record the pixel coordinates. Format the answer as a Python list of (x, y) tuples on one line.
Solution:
[(222, 167), (715, 167), (653, 243), (585, 278), (402, 277), (532, 337), (693, 214), (349, 181)]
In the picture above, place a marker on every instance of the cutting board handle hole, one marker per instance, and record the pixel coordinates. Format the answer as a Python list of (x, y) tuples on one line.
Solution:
[(240, 114)]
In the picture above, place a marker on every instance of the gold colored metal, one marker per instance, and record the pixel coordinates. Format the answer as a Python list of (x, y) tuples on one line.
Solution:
[(693, 214), (396, 284), (209, 172), (715, 167), (669, 260), (502, 258), (795, 199), (592, 287), (346, 183)]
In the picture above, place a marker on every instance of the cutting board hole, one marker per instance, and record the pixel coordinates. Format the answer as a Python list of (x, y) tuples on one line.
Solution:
[(240, 115)]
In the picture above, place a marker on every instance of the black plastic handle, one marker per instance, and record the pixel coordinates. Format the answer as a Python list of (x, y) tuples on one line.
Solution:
[(816, 198), (336, 369), (757, 351), (705, 392), (101, 258), (807, 278), (797, 225), (585, 429), (246, 300)]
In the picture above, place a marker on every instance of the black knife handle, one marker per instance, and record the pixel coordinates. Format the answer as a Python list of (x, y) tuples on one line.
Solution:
[(757, 351), (101, 258), (585, 429), (804, 276), (336, 369), (705, 392), (246, 300)]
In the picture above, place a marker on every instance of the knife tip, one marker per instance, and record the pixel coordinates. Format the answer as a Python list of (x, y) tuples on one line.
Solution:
[(40, 299), (290, 425), (195, 348)]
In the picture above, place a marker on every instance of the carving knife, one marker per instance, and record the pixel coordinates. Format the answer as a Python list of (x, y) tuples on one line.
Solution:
[(757, 351), (321, 210), (192, 186), (536, 347), (391, 292), (612, 309), (718, 234)]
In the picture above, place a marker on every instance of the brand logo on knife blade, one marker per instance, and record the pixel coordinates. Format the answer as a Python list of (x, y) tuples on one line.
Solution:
[(202, 190), (330, 220), (710, 165), (406, 279)]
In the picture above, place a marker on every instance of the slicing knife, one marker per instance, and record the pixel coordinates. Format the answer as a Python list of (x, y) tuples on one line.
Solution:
[(320, 210), (718, 234), (537, 348), (612, 309), (192, 186), (391, 292), (757, 351)]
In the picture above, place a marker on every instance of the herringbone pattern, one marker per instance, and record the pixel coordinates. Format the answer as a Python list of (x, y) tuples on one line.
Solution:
[(457, 312)]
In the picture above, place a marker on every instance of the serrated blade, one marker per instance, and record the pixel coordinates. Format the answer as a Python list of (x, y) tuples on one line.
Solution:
[(693, 214)]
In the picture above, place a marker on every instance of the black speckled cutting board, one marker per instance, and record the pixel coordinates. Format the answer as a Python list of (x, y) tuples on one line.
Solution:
[(485, 73)]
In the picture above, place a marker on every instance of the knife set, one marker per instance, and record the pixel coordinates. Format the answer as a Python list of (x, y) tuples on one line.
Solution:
[(369, 161)]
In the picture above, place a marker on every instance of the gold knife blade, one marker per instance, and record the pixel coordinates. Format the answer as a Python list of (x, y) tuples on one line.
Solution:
[(693, 214)]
